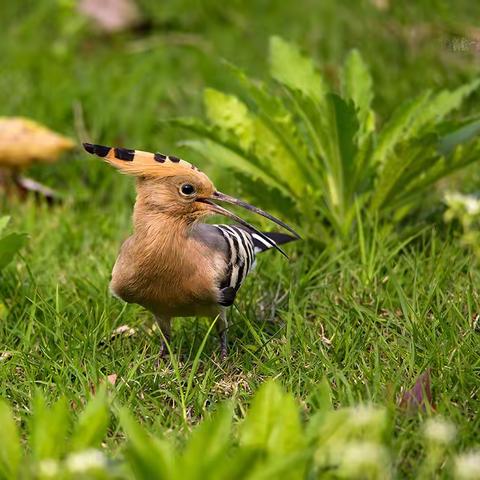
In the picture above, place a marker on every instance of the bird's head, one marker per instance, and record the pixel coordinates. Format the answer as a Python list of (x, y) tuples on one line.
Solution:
[(175, 187)]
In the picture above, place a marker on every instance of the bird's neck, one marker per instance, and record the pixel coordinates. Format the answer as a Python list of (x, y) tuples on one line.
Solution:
[(158, 234)]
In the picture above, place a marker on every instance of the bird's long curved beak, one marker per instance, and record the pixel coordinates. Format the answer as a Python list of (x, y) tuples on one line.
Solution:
[(235, 201), (214, 208)]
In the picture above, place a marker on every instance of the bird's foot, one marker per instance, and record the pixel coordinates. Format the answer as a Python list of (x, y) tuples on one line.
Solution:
[(162, 354)]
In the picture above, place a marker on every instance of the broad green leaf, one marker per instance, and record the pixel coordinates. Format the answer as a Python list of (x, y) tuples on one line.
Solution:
[(9, 246), (291, 466), (272, 423), (395, 129), (357, 86), (269, 198), (240, 465), (212, 150), (230, 114), (208, 445), (254, 135), (419, 113), (443, 103), (91, 426), (312, 120), (341, 128), (270, 148), (289, 67), (10, 446), (148, 457), (274, 113), (322, 396), (272, 426), (216, 135), (4, 222), (449, 142), (462, 157), (48, 429)]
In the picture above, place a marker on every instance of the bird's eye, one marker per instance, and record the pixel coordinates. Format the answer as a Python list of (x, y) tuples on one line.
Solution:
[(187, 189)]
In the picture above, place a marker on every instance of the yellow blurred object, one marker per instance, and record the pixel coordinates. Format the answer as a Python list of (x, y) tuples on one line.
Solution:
[(23, 141)]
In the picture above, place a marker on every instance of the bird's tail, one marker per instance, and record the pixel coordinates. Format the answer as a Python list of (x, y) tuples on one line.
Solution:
[(274, 238)]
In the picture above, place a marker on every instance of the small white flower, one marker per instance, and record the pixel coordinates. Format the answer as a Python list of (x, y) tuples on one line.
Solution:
[(86, 460), (367, 416), (48, 468), (438, 430), (471, 203), (361, 457), (467, 466)]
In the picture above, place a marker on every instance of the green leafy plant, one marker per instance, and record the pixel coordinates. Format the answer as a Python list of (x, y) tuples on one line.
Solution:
[(58, 446), (319, 154), (271, 442), (10, 244)]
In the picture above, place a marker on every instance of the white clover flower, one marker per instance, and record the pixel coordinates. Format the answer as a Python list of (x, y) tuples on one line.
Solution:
[(470, 203), (48, 468), (367, 416), (467, 466), (438, 430), (86, 460), (357, 458)]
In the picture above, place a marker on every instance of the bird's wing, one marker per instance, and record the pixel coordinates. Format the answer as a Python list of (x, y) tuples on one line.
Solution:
[(239, 247), (240, 259)]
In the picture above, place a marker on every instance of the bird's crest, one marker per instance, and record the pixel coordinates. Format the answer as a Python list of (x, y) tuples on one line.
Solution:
[(139, 163)]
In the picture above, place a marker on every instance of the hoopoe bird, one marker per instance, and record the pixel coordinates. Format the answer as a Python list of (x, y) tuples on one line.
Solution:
[(173, 264)]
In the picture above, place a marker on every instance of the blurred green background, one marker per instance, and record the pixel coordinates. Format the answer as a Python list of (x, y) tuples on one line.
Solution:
[(59, 69)]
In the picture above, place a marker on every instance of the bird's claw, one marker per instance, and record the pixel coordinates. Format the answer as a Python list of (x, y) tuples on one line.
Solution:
[(162, 354)]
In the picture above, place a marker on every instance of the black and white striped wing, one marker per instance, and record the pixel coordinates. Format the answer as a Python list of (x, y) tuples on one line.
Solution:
[(240, 256), (242, 246)]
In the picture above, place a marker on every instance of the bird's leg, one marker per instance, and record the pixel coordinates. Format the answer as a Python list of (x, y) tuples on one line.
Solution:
[(165, 327), (222, 325)]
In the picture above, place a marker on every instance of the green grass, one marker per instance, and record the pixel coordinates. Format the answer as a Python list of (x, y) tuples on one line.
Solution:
[(368, 324)]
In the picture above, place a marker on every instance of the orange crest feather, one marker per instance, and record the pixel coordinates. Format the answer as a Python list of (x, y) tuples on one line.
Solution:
[(139, 163)]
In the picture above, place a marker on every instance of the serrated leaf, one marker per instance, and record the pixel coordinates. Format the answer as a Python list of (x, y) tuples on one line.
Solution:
[(92, 423), (10, 446), (269, 147), (230, 114), (463, 156), (357, 85), (255, 134), (448, 143), (445, 102), (9, 246), (294, 70), (212, 150), (395, 129), (275, 114), (419, 115), (408, 164)]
